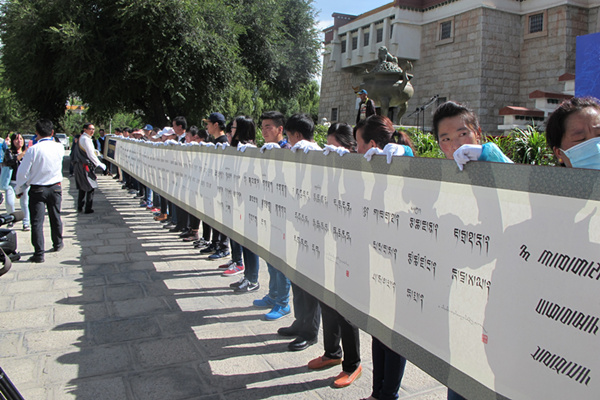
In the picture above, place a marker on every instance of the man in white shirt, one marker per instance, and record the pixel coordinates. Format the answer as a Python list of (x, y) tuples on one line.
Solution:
[(85, 163), (40, 172)]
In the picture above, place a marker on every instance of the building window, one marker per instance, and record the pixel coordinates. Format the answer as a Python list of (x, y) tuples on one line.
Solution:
[(445, 31), (354, 42), (343, 45), (379, 35), (366, 39), (552, 101), (391, 30), (536, 23), (334, 114)]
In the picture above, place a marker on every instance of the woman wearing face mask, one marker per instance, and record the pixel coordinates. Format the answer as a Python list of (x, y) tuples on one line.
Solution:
[(573, 133)]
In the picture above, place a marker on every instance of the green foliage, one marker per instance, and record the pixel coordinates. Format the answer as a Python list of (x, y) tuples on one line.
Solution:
[(424, 143), (159, 59), (525, 146), (321, 135)]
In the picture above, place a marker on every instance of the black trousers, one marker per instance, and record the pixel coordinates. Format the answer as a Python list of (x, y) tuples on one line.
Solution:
[(307, 312), (40, 198), (336, 328), (85, 199)]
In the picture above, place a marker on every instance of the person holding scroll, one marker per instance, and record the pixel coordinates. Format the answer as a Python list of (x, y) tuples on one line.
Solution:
[(457, 130), (375, 136), (573, 133)]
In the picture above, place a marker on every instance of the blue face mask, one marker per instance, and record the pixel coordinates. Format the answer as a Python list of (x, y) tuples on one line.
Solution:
[(585, 154)]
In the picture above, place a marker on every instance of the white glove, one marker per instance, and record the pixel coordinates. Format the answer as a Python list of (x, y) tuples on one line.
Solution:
[(171, 141), (306, 146), (373, 151), (222, 145), (466, 153), (103, 166), (393, 150), (242, 147), (329, 148), (209, 144), (269, 146)]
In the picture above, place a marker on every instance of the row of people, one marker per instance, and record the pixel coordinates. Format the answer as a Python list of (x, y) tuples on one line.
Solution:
[(573, 133)]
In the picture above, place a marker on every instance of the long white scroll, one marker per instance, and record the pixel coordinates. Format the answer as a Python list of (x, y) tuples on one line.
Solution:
[(487, 279)]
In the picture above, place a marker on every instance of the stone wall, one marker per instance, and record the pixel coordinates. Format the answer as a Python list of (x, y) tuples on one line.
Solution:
[(336, 92), (451, 70)]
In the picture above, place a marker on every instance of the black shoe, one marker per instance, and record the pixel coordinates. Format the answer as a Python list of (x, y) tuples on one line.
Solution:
[(301, 344), (176, 229), (208, 249), (89, 212), (80, 210), (58, 248), (169, 225), (36, 259), (246, 286), (187, 233), (237, 284), (287, 331)]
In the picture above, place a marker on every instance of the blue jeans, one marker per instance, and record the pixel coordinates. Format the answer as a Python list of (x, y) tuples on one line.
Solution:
[(388, 370), (24, 200), (279, 286), (149, 194), (236, 252)]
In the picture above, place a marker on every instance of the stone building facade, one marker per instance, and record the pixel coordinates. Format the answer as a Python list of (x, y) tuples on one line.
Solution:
[(487, 55)]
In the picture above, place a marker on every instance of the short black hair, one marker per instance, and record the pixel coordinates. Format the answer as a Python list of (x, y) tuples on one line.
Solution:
[(275, 116), (203, 134), (193, 130), (180, 121), (555, 127), (301, 123), (451, 109), (87, 125), (44, 127)]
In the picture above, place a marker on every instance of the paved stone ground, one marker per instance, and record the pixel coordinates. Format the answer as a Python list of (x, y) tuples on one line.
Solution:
[(128, 311)]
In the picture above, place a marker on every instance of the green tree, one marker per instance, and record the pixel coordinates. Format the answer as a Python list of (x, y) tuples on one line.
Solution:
[(158, 59)]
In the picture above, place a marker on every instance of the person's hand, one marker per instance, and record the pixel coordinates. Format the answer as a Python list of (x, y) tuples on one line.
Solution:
[(329, 148), (222, 146), (306, 146), (466, 153), (171, 141), (269, 146), (243, 146), (396, 150), (373, 151)]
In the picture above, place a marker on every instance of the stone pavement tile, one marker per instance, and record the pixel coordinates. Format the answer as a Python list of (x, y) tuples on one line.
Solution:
[(17, 320), (11, 344), (415, 381), (139, 307), (174, 383), (118, 292), (87, 362), (119, 248), (128, 277), (105, 258), (123, 329), (5, 303), (85, 295), (26, 286), (54, 340), (113, 388), (27, 301), (166, 350), (77, 313), (43, 271), (23, 370)]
